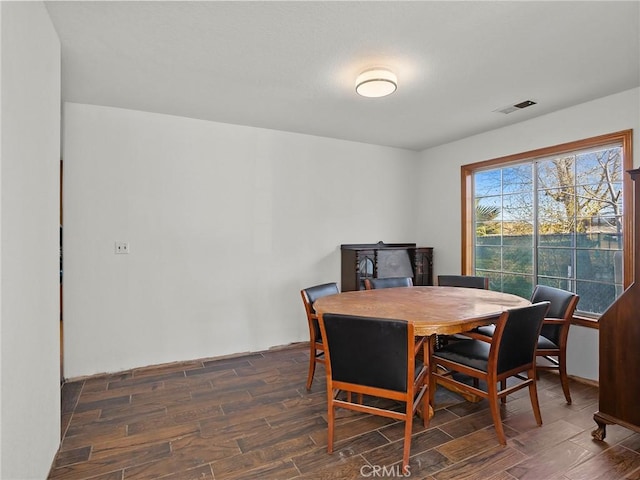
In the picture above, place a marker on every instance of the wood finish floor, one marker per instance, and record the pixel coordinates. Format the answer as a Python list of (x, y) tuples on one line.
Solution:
[(251, 417)]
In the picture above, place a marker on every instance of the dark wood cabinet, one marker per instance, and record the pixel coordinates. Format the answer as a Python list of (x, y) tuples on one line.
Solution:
[(383, 260), (619, 332)]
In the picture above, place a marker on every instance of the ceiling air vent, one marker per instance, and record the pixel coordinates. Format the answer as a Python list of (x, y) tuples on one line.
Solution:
[(517, 106)]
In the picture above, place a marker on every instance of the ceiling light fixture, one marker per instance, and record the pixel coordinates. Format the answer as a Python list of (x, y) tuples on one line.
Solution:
[(376, 82)]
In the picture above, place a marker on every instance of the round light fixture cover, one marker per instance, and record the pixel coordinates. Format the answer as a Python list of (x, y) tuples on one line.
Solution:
[(376, 82)]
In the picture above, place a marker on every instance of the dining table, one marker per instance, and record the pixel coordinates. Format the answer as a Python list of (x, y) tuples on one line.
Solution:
[(433, 310)]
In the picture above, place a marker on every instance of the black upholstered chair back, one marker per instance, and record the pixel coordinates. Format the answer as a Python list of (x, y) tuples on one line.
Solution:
[(468, 281), (520, 330), (316, 292), (319, 291), (390, 282), (561, 301), (367, 351)]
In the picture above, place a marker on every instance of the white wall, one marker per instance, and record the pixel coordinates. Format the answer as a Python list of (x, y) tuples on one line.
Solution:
[(226, 224), (29, 219), (440, 185)]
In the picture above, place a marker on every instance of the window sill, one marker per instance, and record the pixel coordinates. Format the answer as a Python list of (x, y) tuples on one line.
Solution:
[(588, 322)]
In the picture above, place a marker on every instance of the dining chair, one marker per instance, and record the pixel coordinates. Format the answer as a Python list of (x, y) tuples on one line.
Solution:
[(379, 358), (469, 281), (552, 343), (511, 353), (389, 282), (316, 348)]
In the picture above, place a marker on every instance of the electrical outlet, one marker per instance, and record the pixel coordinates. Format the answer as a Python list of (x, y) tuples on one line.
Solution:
[(122, 247)]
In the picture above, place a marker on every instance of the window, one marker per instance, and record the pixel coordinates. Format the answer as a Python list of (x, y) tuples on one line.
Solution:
[(557, 216)]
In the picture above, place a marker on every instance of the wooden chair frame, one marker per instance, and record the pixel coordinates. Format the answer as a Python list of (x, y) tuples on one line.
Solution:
[(316, 347), (557, 357), (415, 396), (492, 379)]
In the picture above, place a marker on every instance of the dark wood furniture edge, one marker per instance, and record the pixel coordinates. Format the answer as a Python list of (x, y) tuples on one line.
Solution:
[(618, 354), (602, 420)]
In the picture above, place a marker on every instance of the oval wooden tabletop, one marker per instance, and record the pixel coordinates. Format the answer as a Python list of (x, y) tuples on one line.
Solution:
[(443, 310)]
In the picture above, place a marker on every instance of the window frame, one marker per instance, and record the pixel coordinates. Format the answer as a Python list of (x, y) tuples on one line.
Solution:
[(623, 137)]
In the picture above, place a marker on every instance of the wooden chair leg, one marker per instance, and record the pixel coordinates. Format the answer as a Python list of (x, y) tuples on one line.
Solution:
[(330, 424), (564, 379), (533, 393), (408, 422), (426, 409), (495, 412), (312, 366), (503, 386)]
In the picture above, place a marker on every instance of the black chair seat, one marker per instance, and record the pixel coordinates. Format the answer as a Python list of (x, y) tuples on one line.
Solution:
[(472, 353), (487, 330), (545, 344)]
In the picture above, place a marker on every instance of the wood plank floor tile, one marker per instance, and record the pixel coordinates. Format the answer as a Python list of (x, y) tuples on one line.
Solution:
[(482, 466), (75, 455), (282, 451), (390, 453), (111, 463), (318, 459), (232, 428), (231, 360), (130, 441), (552, 463), (615, 462), (470, 445), (632, 442), (338, 469), (615, 435), (505, 476), (70, 393), (84, 406), (280, 434), (425, 464), (244, 417), (166, 422), (199, 473), (88, 435), (167, 368), (356, 424), (467, 424), (143, 380), (187, 453), (536, 441)]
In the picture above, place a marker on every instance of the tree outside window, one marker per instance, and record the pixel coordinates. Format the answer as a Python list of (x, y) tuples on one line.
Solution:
[(554, 217)]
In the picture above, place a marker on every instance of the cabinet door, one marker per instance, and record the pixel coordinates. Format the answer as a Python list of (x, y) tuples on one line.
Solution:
[(423, 266), (357, 264), (393, 262), (365, 267)]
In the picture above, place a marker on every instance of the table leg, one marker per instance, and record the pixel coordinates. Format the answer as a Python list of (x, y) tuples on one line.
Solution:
[(432, 378)]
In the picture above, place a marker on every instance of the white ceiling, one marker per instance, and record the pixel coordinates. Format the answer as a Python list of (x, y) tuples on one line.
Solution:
[(292, 65)]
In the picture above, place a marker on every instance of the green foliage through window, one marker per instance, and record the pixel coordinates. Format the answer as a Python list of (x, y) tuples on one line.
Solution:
[(555, 221)]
